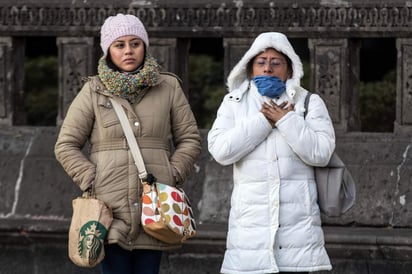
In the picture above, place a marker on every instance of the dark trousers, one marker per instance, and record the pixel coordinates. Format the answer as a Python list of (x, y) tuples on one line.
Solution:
[(122, 261)]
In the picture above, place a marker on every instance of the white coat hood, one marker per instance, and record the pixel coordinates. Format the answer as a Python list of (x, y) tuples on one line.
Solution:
[(277, 41)]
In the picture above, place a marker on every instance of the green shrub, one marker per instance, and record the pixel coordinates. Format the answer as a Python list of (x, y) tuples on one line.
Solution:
[(41, 90), (378, 104), (206, 87)]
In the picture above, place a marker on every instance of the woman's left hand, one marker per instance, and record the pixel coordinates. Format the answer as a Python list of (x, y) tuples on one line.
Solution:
[(274, 112)]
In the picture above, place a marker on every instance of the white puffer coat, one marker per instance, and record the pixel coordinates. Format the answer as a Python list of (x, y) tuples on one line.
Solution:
[(274, 222)]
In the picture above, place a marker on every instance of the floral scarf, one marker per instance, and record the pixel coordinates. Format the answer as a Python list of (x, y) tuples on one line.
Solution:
[(129, 85)]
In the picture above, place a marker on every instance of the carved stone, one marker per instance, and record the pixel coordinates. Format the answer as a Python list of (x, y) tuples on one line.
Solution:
[(76, 60), (404, 86), (6, 84), (213, 18), (333, 79), (164, 50), (374, 236), (235, 48)]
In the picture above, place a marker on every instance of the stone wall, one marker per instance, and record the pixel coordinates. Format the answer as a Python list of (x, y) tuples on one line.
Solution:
[(36, 208), (35, 201)]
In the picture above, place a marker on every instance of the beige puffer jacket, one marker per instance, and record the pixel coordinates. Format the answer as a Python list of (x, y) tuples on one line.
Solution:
[(168, 137)]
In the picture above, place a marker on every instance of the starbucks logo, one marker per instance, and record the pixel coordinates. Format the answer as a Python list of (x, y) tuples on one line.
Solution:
[(91, 239)]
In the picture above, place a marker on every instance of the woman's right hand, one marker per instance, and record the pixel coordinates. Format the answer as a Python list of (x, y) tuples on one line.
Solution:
[(274, 112)]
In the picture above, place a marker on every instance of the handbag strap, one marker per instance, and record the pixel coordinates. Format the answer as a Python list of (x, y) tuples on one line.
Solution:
[(307, 98), (131, 139)]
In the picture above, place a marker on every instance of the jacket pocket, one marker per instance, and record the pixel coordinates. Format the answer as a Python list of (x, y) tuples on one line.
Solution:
[(107, 114)]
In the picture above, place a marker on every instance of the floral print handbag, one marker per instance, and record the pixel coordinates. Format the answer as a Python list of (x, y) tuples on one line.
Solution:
[(166, 213)]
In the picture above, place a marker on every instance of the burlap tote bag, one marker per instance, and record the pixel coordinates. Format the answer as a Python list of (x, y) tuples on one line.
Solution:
[(88, 229)]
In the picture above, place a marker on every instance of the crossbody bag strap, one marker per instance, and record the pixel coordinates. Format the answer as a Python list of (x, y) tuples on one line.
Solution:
[(307, 98), (131, 139)]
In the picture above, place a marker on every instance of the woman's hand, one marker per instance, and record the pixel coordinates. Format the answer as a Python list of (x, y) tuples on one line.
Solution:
[(274, 112)]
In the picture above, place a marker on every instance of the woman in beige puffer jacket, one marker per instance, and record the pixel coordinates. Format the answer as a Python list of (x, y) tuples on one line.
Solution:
[(162, 122)]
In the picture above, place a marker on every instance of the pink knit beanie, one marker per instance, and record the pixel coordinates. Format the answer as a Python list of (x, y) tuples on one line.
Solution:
[(121, 25)]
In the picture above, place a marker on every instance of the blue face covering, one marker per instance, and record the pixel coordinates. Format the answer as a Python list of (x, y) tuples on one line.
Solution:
[(269, 86)]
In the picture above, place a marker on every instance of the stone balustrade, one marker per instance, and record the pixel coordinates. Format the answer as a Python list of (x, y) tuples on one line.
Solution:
[(35, 204)]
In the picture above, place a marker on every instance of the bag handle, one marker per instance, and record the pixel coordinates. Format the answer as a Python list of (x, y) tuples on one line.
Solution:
[(131, 139)]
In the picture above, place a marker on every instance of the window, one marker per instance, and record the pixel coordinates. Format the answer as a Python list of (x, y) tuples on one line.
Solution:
[(206, 83), (41, 81), (377, 88)]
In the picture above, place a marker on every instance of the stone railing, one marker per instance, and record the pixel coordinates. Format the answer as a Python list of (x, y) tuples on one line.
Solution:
[(36, 193)]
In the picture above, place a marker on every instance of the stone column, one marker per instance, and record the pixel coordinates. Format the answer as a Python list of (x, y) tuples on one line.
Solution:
[(173, 56), (235, 48), (164, 51), (11, 81), (334, 76), (77, 59), (403, 123)]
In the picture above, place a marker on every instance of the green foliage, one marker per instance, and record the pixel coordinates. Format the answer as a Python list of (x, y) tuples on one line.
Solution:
[(41, 90), (206, 87), (378, 104), (206, 91)]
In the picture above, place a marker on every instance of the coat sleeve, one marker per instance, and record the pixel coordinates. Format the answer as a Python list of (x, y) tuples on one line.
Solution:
[(186, 136), (72, 137), (229, 140), (313, 138)]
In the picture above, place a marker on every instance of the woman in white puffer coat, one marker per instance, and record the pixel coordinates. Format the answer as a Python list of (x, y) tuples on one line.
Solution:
[(274, 222)]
